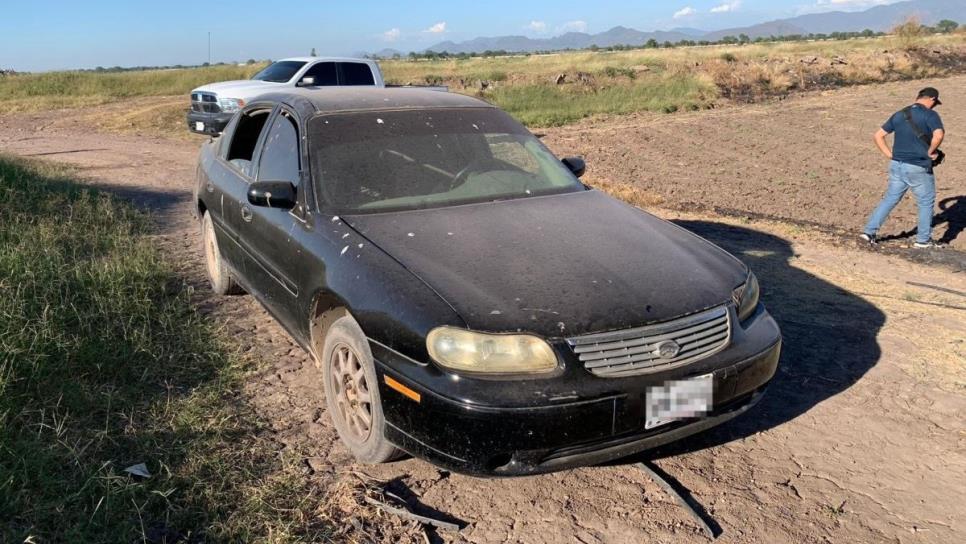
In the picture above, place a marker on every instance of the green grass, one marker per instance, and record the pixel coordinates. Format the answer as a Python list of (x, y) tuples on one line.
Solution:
[(104, 364), (549, 105)]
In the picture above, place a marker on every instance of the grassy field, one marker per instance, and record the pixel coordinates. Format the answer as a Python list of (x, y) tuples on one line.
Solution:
[(32, 92), (104, 364), (552, 89)]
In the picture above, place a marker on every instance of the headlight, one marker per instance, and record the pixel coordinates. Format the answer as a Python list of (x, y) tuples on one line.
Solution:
[(231, 105), (460, 349), (746, 297)]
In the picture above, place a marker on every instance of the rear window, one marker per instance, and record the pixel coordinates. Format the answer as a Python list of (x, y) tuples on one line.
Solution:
[(379, 161), (356, 73), (279, 72)]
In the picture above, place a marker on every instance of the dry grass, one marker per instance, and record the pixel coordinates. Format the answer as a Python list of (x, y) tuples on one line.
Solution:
[(627, 192), (574, 85), (545, 90), (533, 69), (54, 90)]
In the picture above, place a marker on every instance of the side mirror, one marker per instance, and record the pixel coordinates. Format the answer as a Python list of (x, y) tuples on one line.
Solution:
[(576, 165), (307, 81), (272, 194)]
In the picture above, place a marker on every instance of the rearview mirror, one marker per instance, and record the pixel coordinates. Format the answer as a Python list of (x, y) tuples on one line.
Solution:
[(272, 194), (307, 81), (576, 165)]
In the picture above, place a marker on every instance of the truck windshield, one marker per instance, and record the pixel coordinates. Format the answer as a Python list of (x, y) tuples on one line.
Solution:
[(403, 160), (279, 72)]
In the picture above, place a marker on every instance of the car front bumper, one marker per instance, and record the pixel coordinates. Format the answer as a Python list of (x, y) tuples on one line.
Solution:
[(211, 124), (490, 440)]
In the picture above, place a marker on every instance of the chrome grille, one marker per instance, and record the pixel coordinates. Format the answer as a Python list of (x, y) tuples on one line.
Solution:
[(205, 102), (637, 351)]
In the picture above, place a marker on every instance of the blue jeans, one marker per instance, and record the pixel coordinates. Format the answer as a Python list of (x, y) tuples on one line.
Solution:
[(902, 177)]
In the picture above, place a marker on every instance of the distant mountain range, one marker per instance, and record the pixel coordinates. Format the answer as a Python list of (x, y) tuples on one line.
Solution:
[(879, 18)]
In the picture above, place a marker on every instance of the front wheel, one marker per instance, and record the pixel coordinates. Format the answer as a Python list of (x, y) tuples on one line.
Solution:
[(352, 393)]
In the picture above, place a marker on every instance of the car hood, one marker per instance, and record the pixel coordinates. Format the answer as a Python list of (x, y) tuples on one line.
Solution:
[(556, 266), (241, 88)]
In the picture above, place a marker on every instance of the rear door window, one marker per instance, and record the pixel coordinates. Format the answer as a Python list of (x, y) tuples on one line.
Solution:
[(324, 73), (280, 154), (356, 73)]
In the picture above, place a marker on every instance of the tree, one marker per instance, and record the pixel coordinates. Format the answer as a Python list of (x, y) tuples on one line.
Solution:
[(313, 53), (743, 38), (946, 26), (651, 44)]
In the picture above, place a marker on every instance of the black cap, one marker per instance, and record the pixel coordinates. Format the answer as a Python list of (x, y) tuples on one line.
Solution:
[(930, 92)]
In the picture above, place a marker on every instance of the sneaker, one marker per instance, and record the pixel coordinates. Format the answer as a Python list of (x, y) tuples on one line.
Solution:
[(869, 239), (928, 245)]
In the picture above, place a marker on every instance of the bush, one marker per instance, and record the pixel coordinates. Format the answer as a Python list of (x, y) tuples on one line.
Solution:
[(910, 33), (619, 71)]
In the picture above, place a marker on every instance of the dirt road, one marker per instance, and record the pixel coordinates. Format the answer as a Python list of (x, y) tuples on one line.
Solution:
[(860, 439)]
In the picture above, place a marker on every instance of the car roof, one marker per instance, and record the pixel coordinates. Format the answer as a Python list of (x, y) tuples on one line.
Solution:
[(345, 99), (316, 59)]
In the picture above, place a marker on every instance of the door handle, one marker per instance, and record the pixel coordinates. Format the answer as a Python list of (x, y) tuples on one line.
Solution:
[(246, 214), (210, 187)]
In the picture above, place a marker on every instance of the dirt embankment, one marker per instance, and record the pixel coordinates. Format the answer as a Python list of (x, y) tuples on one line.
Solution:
[(859, 439)]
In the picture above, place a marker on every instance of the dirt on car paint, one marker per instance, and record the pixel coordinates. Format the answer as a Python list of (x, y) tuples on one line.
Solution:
[(859, 439)]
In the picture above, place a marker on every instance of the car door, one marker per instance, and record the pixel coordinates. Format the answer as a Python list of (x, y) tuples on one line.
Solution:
[(270, 235), (236, 170)]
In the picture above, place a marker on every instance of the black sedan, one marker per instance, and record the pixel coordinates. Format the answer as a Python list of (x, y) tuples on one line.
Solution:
[(467, 299)]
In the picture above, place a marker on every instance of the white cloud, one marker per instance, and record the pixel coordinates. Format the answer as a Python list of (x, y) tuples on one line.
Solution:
[(685, 12), (573, 26), (537, 26), (438, 28), (727, 7), (391, 35)]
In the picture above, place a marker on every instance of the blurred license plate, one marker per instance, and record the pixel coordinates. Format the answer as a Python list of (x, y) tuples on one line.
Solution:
[(199, 125), (680, 399)]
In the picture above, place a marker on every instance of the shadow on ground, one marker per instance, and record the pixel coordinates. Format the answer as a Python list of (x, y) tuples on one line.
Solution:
[(952, 213), (829, 336)]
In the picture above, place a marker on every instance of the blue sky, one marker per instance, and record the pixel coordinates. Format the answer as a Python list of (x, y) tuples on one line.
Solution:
[(37, 35)]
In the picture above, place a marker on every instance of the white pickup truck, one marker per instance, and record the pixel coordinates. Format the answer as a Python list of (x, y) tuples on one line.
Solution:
[(213, 105)]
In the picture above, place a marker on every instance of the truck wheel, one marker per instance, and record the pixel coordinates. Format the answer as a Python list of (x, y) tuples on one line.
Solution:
[(352, 393), (222, 281)]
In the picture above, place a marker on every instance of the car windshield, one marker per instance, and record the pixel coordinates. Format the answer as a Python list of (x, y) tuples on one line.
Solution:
[(279, 72), (411, 159)]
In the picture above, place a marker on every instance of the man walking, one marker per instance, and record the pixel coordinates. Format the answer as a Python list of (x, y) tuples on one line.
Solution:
[(912, 163)]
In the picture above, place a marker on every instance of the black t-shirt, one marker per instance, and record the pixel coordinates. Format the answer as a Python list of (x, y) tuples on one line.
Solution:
[(908, 147)]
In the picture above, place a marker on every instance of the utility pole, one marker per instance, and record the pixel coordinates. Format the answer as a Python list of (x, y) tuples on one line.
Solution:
[(209, 48)]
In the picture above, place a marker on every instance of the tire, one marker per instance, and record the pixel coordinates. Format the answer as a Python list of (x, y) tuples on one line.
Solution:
[(352, 392), (221, 279)]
